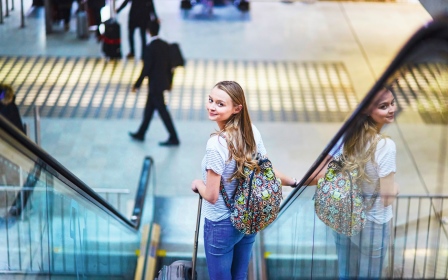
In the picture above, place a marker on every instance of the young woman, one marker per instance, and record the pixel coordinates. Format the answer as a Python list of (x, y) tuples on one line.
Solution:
[(374, 155), (228, 150)]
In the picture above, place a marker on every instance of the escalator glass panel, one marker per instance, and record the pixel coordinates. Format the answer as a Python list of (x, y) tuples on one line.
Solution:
[(409, 106), (52, 227)]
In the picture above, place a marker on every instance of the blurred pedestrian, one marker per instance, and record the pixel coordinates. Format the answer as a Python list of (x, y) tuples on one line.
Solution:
[(8, 107), (142, 11), (157, 67), (95, 7), (63, 9)]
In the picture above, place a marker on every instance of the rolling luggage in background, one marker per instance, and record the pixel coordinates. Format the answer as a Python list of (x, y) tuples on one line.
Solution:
[(111, 39), (181, 270), (82, 27)]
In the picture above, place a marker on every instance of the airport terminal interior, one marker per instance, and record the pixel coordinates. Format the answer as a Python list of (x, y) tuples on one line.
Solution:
[(80, 199)]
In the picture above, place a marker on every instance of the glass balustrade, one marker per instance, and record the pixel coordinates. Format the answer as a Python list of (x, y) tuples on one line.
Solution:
[(299, 245), (52, 225)]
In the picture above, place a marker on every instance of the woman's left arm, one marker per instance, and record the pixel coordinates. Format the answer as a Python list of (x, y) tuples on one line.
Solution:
[(286, 180), (388, 189)]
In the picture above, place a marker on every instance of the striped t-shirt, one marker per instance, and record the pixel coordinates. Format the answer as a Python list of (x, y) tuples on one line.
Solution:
[(385, 164), (216, 159)]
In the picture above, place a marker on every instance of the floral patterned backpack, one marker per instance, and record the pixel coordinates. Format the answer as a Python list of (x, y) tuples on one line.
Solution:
[(339, 201), (256, 200)]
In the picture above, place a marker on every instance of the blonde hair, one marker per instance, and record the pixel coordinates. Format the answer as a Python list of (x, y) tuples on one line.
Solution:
[(238, 131), (361, 141)]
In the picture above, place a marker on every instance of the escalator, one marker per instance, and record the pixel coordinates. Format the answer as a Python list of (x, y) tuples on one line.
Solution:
[(53, 226), (300, 246)]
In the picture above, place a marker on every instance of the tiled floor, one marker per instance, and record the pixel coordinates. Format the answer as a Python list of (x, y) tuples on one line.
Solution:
[(67, 87)]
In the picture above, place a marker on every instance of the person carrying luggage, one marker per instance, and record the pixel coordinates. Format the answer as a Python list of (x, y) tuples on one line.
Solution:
[(94, 7), (157, 67), (229, 151), (63, 9), (142, 11)]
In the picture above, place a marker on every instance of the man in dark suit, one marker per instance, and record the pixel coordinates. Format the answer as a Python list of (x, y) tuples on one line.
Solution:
[(142, 11), (157, 67)]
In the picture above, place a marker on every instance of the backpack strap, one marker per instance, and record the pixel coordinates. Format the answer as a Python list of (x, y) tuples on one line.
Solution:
[(371, 202), (337, 163), (224, 194)]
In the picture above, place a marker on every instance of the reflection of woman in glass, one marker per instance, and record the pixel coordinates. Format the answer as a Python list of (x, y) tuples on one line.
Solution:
[(374, 155)]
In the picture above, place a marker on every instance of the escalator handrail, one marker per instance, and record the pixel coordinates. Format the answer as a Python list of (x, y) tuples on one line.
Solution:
[(436, 29), (52, 166), (141, 194)]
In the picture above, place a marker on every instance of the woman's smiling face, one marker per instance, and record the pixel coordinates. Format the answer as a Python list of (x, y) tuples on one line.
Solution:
[(384, 112), (220, 107)]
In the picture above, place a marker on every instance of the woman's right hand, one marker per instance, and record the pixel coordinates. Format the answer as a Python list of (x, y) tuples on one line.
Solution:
[(194, 185), (388, 189)]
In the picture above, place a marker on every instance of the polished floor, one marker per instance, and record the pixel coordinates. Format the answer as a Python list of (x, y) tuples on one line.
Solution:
[(67, 87), (337, 50)]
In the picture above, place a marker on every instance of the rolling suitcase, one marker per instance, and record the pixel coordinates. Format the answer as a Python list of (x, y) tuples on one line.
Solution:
[(112, 39), (181, 270), (82, 28)]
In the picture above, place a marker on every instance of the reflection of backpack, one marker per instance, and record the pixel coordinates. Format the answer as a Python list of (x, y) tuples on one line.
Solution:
[(339, 201), (256, 201)]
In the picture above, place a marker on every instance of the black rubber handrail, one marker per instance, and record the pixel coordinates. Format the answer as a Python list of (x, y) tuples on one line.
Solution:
[(435, 31), (51, 165), (140, 196)]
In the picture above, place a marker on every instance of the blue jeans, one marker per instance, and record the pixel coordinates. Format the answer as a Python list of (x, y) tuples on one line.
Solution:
[(362, 256), (227, 250)]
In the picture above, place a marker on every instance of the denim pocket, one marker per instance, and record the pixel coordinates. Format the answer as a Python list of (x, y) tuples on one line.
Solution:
[(221, 235)]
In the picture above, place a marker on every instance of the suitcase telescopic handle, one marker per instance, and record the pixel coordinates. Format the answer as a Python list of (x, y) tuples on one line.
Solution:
[(196, 237)]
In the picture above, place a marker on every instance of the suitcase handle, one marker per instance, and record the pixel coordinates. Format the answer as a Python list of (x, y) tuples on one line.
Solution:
[(196, 237)]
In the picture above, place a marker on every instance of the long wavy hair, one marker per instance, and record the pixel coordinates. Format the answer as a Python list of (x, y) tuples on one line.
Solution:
[(238, 131), (361, 141)]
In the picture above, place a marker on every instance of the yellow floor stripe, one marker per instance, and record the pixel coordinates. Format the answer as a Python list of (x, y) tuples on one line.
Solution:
[(94, 88)]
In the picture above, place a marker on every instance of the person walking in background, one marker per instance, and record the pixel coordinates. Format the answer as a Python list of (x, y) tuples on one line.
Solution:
[(157, 67), (365, 149), (230, 149), (8, 107), (63, 9), (95, 7), (142, 11)]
